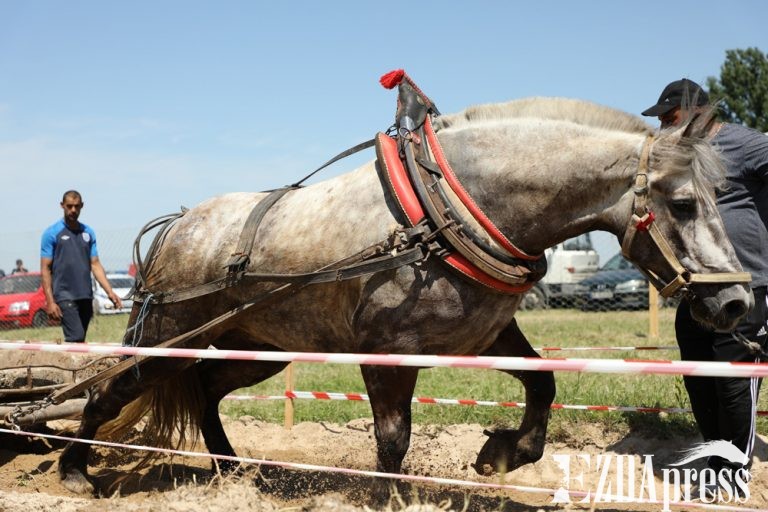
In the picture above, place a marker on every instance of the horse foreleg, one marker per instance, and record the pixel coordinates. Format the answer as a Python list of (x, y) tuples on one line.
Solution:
[(390, 390), (506, 450), (218, 378), (104, 404)]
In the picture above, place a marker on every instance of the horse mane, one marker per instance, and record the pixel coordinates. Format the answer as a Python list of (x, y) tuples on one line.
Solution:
[(677, 150), (576, 111)]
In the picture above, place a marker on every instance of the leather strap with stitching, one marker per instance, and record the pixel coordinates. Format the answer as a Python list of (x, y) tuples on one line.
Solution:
[(242, 256)]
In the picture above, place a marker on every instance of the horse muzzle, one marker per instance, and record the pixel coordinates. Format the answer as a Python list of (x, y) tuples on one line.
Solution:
[(720, 307)]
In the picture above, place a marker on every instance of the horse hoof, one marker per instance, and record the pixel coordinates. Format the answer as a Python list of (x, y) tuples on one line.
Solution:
[(74, 481), (227, 467), (484, 469), (506, 450), (495, 453)]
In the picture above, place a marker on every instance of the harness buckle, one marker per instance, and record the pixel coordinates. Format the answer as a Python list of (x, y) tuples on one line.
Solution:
[(237, 263)]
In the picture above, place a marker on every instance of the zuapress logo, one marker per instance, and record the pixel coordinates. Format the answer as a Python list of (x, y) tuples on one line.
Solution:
[(622, 479)]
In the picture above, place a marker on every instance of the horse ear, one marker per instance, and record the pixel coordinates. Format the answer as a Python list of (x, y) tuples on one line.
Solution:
[(701, 122)]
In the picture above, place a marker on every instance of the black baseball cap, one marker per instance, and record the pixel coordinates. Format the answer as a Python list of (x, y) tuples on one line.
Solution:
[(675, 94)]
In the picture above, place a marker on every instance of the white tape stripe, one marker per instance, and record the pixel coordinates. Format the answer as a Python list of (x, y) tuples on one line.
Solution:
[(753, 395), (662, 367), (297, 465), (619, 348), (373, 474)]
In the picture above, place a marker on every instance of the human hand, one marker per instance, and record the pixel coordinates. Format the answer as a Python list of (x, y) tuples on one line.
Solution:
[(53, 310), (115, 300)]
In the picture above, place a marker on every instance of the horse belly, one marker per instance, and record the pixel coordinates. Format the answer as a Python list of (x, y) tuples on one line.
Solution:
[(389, 312)]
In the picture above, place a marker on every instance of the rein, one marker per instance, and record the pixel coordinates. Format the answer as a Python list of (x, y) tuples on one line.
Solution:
[(643, 221), (402, 249)]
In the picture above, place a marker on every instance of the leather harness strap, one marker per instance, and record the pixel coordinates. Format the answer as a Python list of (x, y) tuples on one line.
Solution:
[(450, 177), (397, 182), (164, 222), (126, 364), (415, 201), (242, 256), (462, 254), (350, 267), (365, 264)]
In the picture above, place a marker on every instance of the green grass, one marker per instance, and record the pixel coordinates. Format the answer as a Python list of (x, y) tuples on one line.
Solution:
[(562, 328)]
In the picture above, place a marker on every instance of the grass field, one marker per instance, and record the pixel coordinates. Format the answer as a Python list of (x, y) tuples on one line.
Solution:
[(563, 328)]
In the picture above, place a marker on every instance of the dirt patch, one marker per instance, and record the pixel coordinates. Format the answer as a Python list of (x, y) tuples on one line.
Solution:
[(28, 480)]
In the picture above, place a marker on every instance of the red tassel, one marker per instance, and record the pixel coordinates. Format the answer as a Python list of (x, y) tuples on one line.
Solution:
[(391, 79)]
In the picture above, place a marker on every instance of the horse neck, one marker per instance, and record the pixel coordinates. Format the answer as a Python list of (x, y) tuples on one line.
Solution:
[(545, 184)]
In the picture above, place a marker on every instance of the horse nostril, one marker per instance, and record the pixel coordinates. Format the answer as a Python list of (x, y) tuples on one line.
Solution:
[(735, 308)]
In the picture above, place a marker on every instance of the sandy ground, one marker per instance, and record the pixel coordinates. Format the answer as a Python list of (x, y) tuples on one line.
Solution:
[(28, 480)]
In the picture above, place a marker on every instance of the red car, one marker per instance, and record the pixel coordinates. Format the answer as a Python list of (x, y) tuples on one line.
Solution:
[(22, 301)]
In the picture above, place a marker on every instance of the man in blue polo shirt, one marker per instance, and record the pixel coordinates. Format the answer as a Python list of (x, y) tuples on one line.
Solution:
[(68, 255)]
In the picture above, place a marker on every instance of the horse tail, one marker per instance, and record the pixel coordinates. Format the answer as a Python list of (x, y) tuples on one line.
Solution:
[(174, 411)]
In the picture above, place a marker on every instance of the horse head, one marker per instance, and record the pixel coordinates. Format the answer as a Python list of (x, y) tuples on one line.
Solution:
[(675, 234), (571, 166)]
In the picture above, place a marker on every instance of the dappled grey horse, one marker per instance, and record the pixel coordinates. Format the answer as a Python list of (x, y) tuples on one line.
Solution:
[(542, 170)]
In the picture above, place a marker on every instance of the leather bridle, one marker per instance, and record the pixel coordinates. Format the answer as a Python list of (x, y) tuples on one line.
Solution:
[(643, 221)]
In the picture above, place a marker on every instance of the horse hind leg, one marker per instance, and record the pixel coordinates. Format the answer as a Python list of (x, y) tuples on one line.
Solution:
[(507, 450), (108, 399), (105, 403), (219, 378)]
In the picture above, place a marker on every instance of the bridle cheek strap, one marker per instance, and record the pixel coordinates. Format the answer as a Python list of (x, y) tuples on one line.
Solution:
[(643, 221)]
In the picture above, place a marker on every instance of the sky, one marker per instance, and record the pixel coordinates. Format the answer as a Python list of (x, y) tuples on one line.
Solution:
[(146, 106)]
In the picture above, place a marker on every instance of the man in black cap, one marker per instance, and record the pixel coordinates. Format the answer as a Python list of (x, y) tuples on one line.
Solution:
[(669, 107), (725, 407)]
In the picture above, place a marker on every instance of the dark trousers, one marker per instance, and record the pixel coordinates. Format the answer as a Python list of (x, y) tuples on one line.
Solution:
[(724, 407), (75, 317)]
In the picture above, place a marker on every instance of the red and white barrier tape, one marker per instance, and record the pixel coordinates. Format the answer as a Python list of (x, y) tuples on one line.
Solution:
[(537, 349), (375, 474), (361, 397), (619, 348), (630, 366)]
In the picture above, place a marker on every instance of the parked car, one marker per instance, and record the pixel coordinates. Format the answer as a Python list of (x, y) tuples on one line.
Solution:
[(616, 285), (567, 263), (22, 301), (121, 284)]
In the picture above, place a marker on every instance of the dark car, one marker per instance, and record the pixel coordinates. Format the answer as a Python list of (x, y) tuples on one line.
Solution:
[(616, 285)]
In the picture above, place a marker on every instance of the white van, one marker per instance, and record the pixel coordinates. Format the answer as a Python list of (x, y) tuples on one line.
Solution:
[(567, 263)]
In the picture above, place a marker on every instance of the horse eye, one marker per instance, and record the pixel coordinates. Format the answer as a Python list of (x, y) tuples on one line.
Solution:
[(683, 207)]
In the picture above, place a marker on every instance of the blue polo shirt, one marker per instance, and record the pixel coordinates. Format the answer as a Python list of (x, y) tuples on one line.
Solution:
[(71, 252)]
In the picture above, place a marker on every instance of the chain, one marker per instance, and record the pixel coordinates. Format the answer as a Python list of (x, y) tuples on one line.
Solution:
[(19, 411)]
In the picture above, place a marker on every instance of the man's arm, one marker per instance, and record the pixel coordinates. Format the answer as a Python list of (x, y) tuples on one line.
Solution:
[(101, 277), (51, 307)]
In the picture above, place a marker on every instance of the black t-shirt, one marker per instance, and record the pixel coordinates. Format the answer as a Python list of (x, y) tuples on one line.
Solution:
[(744, 203)]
